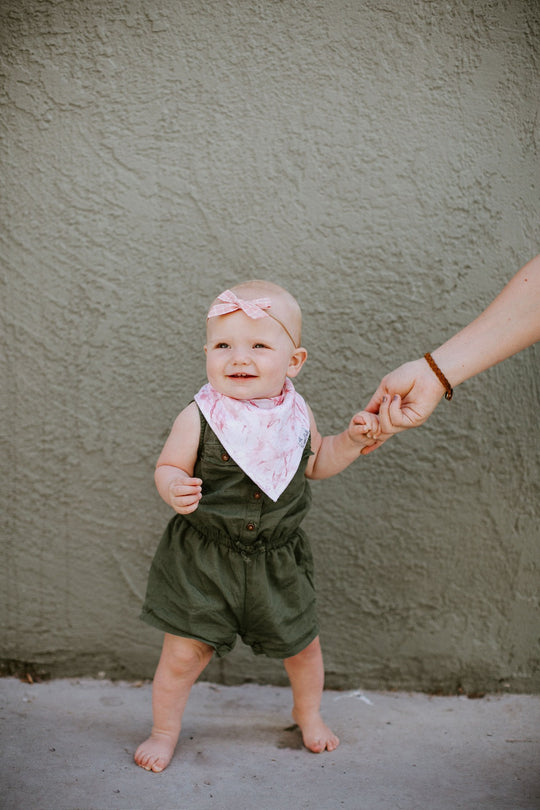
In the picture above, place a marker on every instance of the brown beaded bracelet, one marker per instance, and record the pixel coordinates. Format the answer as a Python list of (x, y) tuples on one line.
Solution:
[(442, 379)]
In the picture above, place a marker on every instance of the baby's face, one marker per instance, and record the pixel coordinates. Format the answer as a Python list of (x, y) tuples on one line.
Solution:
[(248, 358)]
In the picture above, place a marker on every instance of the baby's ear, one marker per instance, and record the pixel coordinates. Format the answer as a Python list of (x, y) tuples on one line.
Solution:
[(298, 358)]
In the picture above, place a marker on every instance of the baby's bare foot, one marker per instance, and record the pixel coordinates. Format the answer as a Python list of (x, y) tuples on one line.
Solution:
[(155, 753), (316, 735)]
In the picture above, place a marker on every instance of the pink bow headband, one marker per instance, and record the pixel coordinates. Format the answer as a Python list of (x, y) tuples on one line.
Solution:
[(254, 308)]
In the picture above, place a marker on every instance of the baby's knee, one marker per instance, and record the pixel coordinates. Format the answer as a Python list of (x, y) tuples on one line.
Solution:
[(186, 654)]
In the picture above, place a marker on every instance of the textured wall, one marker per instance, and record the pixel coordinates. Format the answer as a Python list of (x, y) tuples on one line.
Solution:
[(379, 159)]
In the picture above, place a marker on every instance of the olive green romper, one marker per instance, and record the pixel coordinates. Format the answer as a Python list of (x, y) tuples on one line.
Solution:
[(238, 565)]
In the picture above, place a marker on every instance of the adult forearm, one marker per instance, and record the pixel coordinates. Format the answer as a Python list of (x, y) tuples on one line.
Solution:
[(508, 325)]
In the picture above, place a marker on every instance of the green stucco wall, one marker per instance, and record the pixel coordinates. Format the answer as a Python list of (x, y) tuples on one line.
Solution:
[(380, 160)]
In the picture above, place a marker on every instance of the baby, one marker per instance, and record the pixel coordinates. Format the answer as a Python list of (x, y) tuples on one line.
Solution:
[(234, 560)]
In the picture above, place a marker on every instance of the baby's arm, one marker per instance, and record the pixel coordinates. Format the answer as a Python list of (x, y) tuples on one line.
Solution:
[(174, 469), (331, 454)]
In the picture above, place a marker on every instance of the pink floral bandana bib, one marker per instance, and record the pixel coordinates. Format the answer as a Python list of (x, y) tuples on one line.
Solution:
[(266, 437)]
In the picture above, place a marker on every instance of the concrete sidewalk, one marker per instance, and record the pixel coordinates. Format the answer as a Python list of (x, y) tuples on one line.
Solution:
[(68, 745)]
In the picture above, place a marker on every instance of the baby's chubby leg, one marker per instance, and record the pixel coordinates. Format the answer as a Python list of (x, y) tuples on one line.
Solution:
[(306, 674), (182, 661)]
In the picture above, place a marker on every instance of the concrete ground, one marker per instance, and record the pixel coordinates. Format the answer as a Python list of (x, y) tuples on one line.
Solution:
[(68, 745)]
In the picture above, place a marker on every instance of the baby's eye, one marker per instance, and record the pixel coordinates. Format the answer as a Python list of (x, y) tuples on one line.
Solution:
[(222, 345), (260, 346)]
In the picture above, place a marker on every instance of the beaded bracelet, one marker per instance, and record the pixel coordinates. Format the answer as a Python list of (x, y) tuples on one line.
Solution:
[(442, 379)]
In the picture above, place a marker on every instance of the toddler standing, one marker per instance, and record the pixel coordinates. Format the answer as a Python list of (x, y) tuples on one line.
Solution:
[(234, 560)]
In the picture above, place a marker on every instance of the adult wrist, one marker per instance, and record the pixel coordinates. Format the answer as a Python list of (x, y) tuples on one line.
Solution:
[(435, 368)]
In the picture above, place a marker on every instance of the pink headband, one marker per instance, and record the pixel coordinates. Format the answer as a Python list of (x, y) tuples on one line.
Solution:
[(254, 308)]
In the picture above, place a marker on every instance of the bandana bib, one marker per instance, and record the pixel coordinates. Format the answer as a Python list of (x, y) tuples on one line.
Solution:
[(266, 437)]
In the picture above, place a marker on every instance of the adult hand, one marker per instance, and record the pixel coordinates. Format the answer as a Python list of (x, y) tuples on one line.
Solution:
[(406, 397)]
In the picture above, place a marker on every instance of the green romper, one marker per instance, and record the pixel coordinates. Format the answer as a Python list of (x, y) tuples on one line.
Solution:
[(238, 565)]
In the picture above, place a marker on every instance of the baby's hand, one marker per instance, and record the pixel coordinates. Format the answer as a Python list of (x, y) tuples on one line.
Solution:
[(185, 494), (364, 428)]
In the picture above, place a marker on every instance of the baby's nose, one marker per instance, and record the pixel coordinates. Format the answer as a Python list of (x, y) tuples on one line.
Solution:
[(241, 356)]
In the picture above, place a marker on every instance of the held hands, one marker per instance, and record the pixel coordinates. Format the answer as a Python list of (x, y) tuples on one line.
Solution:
[(184, 494), (365, 429), (406, 397)]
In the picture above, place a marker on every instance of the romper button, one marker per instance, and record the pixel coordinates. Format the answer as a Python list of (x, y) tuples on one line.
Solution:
[(256, 495), (224, 457), (250, 527)]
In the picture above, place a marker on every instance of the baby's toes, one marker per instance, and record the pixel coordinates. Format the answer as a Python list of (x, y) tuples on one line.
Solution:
[(332, 743)]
